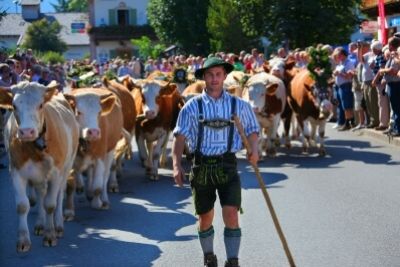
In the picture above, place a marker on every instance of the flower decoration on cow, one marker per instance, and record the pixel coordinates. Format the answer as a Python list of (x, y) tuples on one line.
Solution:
[(320, 66)]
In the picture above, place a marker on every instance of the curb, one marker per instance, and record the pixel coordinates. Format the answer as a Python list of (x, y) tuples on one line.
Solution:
[(378, 135)]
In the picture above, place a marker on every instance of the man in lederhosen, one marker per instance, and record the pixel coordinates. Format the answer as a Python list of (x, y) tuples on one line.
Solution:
[(206, 124)]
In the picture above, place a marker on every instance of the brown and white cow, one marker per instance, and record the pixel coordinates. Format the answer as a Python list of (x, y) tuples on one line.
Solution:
[(100, 120), (42, 139), (160, 103), (193, 89), (267, 96), (129, 113), (311, 105), (235, 82)]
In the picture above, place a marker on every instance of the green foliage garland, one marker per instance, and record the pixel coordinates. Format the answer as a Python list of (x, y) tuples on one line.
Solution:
[(320, 66)]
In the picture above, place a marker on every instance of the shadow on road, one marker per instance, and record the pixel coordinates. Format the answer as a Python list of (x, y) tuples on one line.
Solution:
[(142, 216), (337, 152)]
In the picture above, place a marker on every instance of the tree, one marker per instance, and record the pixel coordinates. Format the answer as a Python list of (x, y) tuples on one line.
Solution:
[(224, 26), (300, 23), (43, 35), (61, 6), (78, 6), (71, 6), (181, 22), (146, 48)]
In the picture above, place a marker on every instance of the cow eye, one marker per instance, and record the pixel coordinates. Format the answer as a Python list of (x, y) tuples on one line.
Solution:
[(41, 106)]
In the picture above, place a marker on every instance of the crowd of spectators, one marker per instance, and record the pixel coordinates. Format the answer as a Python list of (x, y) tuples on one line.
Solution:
[(367, 86)]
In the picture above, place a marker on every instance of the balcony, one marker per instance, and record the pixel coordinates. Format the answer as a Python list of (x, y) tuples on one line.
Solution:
[(370, 7), (119, 32)]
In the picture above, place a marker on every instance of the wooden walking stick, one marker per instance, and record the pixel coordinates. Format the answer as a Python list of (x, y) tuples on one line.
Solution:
[(265, 193)]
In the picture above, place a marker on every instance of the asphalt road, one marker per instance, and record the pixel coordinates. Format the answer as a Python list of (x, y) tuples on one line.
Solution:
[(340, 210)]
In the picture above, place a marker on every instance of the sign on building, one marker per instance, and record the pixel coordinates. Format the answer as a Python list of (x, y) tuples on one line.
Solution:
[(78, 27), (369, 26)]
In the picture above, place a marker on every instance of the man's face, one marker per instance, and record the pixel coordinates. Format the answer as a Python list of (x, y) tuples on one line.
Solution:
[(214, 78)]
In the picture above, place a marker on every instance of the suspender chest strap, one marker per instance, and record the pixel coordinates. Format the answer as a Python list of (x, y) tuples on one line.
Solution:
[(215, 123)]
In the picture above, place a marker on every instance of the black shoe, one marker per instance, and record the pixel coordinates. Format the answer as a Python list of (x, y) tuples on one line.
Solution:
[(210, 260), (380, 128), (332, 119), (370, 126), (232, 262)]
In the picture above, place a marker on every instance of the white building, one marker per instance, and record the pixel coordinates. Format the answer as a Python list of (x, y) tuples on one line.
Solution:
[(113, 23), (73, 31)]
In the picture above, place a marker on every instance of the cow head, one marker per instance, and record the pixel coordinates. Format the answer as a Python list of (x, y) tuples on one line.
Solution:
[(321, 96), (88, 107), (235, 82), (151, 91), (257, 93), (27, 101)]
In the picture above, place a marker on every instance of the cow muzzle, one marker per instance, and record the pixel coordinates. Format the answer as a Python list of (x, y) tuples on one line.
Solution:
[(27, 134), (91, 134), (150, 114)]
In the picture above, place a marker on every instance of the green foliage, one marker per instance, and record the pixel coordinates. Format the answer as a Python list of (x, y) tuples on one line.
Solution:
[(10, 51), (43, 35), (300, 23), (61, 6), (253, 16), (78, 5), (110, 75), (79, 70), (51, 57), (146, 48), (181, 22), (224, 25), (71, 6), (320, 66)]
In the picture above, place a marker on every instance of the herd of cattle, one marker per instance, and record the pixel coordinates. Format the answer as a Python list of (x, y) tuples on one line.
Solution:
[(55, 139)]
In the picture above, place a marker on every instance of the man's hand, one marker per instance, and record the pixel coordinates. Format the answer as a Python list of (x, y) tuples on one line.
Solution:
[(252, 153), (253, 158), (177, 151), (179, 175)]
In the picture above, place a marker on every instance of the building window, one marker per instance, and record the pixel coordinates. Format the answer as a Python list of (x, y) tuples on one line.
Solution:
[(123, 17)]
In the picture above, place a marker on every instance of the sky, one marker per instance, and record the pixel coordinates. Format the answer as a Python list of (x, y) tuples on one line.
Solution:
[(10, 6)]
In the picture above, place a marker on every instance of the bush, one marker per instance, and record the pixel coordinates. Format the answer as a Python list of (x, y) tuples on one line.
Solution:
[(52, 58)]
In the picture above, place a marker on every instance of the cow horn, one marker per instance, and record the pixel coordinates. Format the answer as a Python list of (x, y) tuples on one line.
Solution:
[(105, 81)]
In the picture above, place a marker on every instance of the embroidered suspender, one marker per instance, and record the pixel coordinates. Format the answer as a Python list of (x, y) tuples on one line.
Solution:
[(232, 124), (201, 126), (215, 123)]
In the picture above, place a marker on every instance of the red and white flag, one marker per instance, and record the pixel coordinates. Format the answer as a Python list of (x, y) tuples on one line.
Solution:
[(382, 22)]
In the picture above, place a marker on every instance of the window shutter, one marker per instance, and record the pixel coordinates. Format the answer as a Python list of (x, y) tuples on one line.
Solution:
[(132, 17), (112, 17), (113, 53)]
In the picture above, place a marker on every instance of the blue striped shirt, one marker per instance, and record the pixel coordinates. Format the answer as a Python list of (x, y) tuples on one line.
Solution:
[(215, 141), (380, 62)]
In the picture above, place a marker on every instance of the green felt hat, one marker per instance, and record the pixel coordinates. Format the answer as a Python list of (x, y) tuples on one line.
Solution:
[(213, 62)]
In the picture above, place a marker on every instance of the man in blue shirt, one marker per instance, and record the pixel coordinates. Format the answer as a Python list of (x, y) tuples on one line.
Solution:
[(206, 124)]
